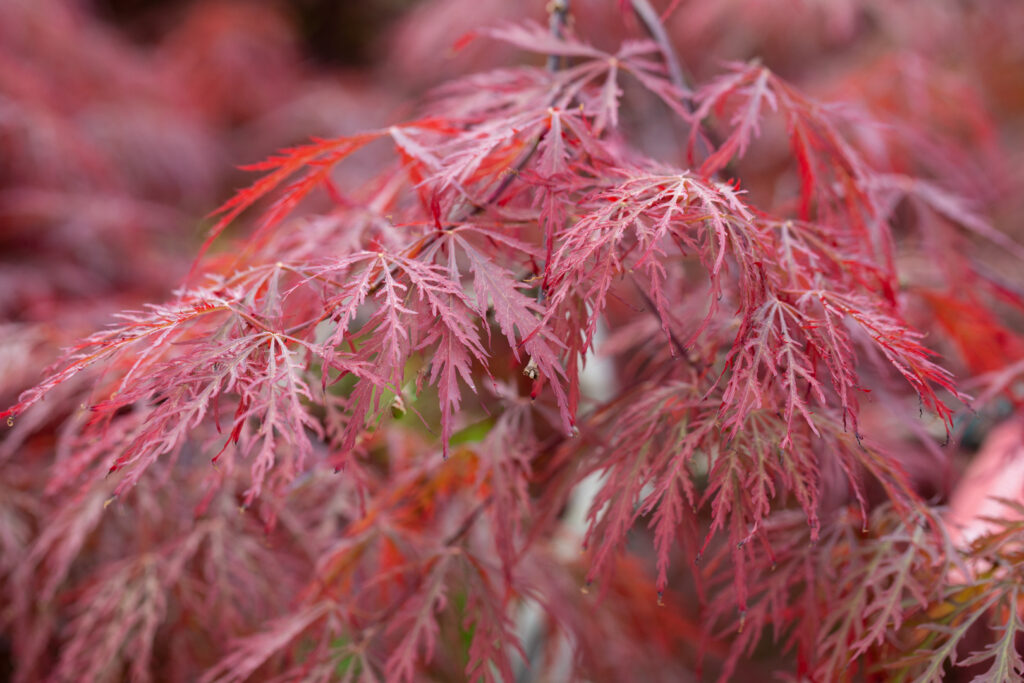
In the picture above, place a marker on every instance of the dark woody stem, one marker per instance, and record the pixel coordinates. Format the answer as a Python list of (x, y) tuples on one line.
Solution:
[(677, 73), (652, 22), (558, 17)]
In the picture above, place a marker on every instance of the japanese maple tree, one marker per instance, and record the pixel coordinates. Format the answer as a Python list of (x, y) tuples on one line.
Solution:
[(613, 363)]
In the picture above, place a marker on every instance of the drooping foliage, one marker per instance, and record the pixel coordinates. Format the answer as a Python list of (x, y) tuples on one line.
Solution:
[(710, 329)]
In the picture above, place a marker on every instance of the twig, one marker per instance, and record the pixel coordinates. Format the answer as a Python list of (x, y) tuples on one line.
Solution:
[(652, 22), (558, 17), (677, 73)]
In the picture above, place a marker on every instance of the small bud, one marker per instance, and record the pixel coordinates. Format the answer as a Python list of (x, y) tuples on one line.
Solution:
[(10, 421), (398, 407), (531, 369)]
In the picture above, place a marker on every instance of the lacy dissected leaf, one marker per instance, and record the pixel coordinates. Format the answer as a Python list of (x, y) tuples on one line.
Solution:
[(630, 227), (1005, 662), (984, 588), (456, 336), (417, 622), (947, 204), (771, 354), (750, 82), (170, 398), (125, 611), (831, 172), (888, 569), (533, 37), (517, 316), (315, 160), (880, 583), (899, 346), (251, 653), (633, 56), (647, 467)]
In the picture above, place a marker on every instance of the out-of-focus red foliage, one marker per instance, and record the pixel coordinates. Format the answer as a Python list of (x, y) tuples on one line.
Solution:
[(732, 331)]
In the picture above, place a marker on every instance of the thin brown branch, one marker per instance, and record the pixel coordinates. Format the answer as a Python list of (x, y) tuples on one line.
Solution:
[(676, 71), (652, 22), (558, 18)]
